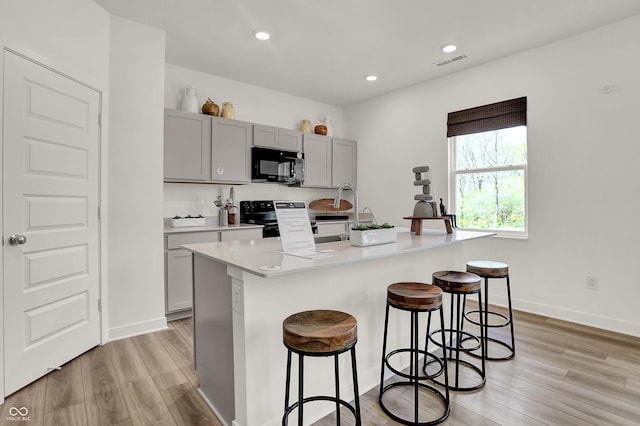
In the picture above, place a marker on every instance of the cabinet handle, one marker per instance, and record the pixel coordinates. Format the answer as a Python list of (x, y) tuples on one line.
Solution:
[(219, 170)]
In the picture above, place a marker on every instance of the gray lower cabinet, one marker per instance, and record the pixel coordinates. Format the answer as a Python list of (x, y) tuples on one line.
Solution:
[(178, 265), (277, 138), (231, 151), (187, 146), (329, 162), (178, 278)]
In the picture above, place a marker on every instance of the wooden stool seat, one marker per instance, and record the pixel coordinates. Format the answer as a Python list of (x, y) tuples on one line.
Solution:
[(457, 282), (412, 295), (488, 268), (320, 331)]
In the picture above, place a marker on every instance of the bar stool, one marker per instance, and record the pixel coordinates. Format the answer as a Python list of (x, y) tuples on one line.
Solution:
[(320, 333), (415, 298), (461, 284), (490, 269)]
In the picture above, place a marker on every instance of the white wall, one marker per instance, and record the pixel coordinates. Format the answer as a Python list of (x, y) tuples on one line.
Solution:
[(583, 148), (135, 246), (71, 36), (251, 103)]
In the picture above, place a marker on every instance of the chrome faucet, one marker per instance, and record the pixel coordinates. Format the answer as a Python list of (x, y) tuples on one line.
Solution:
[(336, 203)]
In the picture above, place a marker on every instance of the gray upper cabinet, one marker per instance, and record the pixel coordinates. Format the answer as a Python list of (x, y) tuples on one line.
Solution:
[(290, 140), (277, 138), (206, 149), (187, 146), (231, 151), (317, 161), (343, 162)]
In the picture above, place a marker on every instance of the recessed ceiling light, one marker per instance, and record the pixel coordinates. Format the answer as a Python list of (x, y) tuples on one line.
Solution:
[(371, 78), (261, 35), (449, 48)]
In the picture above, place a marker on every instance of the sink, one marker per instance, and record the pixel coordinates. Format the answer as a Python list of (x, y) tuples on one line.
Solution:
[(319, 239), (332, 217)]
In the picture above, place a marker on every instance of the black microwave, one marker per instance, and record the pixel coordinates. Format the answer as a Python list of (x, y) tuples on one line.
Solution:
[(272, 165)]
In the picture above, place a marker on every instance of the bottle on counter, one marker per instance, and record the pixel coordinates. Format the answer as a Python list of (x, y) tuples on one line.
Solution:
[(233, 215), (223, 216)]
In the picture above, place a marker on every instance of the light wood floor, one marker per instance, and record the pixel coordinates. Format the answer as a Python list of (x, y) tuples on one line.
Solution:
[(144, 380), (563, 374)]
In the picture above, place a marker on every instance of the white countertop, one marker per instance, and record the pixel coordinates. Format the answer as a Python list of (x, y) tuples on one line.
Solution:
[(170, 230), (265, 259)]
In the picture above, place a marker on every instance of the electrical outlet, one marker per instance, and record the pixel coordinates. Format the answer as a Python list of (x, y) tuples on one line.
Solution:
[(235, 296), (593, 283)]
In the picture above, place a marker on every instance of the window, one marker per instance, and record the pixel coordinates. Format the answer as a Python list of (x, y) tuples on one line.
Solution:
[(488, 167)]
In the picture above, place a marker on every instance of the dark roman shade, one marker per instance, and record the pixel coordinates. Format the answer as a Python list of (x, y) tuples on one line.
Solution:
[(500, 115)]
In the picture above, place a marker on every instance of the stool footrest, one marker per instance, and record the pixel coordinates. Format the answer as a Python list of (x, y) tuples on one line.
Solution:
[(465, 336), (455, 386), (427, 376), (429, 388), (491, 358), (506, 319), (342, 402)]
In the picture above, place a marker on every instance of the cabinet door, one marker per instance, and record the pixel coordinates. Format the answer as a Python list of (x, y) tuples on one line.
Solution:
[(290, 140), (344, 159), (179, 280), (242, 234), (187, 146), (274, 137), (266, 136), (317, 160), (231, 151)]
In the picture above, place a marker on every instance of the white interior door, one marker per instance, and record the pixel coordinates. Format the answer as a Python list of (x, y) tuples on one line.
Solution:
[(50, 194)]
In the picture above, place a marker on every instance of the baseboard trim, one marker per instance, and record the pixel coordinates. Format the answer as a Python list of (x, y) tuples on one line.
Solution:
[(136, 329), (578, 317)]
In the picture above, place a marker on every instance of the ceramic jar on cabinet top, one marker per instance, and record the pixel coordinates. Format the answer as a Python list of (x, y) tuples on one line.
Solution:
[(227, 111)]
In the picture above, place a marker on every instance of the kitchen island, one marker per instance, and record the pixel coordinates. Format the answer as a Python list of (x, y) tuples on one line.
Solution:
[(243, 290)]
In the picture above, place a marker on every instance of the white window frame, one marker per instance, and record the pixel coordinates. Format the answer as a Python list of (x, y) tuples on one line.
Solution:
[(453, 172)]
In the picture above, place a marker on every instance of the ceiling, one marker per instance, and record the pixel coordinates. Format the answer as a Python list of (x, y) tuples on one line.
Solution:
[(323, 49)]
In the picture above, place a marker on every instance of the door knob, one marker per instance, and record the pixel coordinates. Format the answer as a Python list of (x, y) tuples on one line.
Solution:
[(15, 239)]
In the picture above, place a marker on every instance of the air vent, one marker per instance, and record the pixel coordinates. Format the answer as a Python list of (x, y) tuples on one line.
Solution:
[(451, 60)]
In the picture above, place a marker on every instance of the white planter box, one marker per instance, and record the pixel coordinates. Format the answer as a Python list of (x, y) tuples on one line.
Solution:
[(371, 237), (190, 221)]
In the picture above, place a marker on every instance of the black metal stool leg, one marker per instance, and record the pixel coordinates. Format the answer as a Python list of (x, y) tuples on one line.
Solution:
[(356, 391), (513, 336), (444, 361), (414, 361), (384, 348), (288, 385), (486, 316), (300, 388), (458, 340), (335, 363), (483, 336)]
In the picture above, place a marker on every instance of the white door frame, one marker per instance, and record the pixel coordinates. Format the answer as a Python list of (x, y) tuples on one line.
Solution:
[(103, 317)]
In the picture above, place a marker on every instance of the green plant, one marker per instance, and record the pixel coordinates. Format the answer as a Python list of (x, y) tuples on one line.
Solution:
[(362, 227)]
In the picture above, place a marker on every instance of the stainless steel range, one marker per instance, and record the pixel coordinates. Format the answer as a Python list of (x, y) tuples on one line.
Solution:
[(263, 213)]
